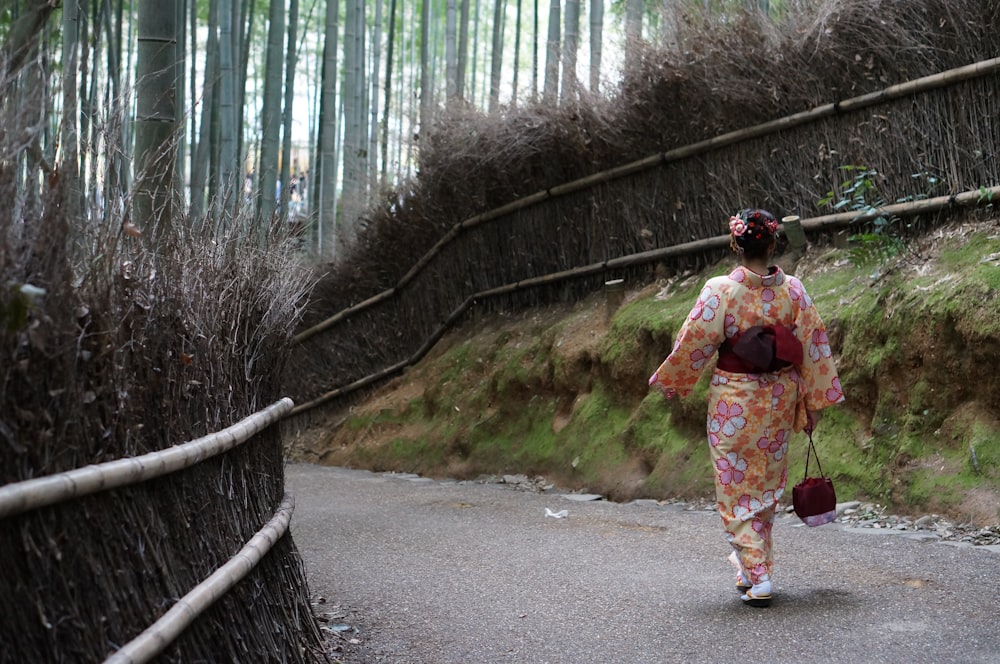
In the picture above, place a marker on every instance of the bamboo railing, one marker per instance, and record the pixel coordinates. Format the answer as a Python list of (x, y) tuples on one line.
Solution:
[(20, 497)]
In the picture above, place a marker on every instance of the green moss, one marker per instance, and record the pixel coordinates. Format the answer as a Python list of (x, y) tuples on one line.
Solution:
[(984, 442), (677, 456), (594, 436), (836, 283), (971, 254), (418, 454)]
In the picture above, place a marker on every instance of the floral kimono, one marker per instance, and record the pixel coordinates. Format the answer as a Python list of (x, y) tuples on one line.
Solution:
[(753, 409)]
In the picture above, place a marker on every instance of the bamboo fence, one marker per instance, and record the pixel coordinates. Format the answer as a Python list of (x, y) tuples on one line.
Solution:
[(612, 223), (830, 221), (186, 610)]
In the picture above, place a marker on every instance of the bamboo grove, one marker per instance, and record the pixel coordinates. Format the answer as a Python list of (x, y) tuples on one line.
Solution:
[(300, 110)]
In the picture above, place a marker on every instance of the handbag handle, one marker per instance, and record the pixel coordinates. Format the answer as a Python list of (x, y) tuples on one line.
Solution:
[(811, 450)]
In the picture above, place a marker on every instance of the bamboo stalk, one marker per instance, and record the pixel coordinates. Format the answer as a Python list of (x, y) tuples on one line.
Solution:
[(341, 315), (154, 639), (350, 387), (986, 194), (19, 497), (923, 84)]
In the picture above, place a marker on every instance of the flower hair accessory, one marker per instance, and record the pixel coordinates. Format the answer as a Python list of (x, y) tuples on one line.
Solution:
[(737, 226), (753, 224)]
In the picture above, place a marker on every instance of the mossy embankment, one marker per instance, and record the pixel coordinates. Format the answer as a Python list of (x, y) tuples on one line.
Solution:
[(561, 391)]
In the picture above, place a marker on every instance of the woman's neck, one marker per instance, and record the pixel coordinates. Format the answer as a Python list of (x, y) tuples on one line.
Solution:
[(759, 265)]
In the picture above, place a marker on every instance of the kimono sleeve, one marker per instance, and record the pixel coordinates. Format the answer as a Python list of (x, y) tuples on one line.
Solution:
[(698, 339), (820, 382)]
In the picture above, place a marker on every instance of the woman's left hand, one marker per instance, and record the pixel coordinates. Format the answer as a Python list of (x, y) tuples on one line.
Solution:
[(812, 419)]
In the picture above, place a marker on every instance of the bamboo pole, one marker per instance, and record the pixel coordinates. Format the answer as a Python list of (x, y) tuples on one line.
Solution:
[(346, 313), (979, 196), (19, 497), (893, 92), (155, 638)]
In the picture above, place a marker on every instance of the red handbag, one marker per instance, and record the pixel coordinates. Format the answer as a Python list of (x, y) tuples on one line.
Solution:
[(814, 498)]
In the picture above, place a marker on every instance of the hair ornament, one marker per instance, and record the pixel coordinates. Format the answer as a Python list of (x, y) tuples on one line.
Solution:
[(737, 226)]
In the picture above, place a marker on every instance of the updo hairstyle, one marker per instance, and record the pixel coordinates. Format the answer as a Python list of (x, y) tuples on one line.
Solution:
[(752, 232)]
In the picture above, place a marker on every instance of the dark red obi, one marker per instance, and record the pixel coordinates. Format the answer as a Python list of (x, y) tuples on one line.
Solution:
[(760, 349)]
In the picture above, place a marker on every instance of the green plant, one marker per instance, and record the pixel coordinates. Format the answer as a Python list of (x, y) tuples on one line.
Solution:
[(985, 197), (883, 235)]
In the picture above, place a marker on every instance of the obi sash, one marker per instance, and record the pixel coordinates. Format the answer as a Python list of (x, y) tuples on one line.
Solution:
[(760, 349)]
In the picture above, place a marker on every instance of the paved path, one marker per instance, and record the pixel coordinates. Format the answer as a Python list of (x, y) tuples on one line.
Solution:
[(442, 572)]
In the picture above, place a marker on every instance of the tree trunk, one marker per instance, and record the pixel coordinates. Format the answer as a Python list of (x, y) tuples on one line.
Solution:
[(475, 54), (325, 173), (373, 132), (596, 44), (551, 90), (247, 8), (534, 52), (70, 139), (155, 115), (354, 94), (99, 86), (114, 184), (570, 48), (201, 153), (267, 182), (180, 69), (85, 97), (193, 109), (227, 115), (25, 29), (633, 31), (463, 49), (286, 144), (409, 110), (450, 52), (517, 54), (496, 57), (426, 94), (388, 87)]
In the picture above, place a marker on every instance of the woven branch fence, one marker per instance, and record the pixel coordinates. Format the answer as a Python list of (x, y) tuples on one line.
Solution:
[(831, 221), (943, 126), (39, 554)]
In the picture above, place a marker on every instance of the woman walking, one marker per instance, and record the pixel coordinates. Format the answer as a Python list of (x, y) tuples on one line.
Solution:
[(774, 375)]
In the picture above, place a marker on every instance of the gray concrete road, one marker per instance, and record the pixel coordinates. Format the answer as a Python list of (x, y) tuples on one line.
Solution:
[(440, 572)]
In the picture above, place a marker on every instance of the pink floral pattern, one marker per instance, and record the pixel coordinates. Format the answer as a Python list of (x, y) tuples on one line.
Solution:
[(777, 446), (699, 356), (732, 329), (730, 416), (835, 394), (751, 417), (732, 469), (705, 308), (819, 345)]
